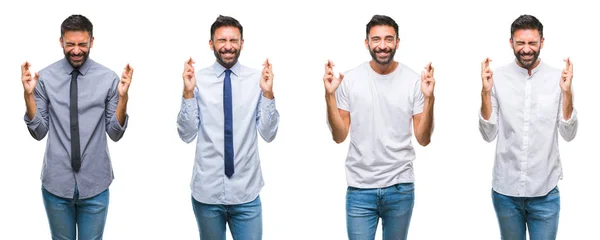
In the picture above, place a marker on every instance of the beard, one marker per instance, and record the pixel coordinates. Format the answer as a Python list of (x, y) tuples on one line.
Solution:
[(77, 63), (386, 60), (527, 63), (223, 62)]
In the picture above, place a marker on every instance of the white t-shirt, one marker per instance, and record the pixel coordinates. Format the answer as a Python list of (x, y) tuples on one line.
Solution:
[(381, 109)]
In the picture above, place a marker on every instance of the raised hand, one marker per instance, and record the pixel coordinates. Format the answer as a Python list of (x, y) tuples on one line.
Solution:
[(486, 75), (427, 81), (567, 76), (330, 81), (29, 83), (266, 80), (125, 80), (189, 79)]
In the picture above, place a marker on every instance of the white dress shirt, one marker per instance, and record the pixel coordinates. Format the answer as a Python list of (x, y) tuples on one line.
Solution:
[(527, 117)]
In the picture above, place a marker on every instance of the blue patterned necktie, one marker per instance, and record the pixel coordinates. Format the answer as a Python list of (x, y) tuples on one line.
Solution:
[(227, 109)]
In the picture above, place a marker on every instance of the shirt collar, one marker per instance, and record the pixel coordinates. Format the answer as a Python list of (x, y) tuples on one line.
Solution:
[(82, 70), (524, 71), (219, 69)]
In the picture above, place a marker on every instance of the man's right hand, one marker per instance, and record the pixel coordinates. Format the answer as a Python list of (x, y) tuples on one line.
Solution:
[(331, 82), (189, 79), (29, 83), (486, 76)]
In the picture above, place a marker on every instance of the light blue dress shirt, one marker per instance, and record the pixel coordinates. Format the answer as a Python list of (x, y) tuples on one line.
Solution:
[(202, 117)]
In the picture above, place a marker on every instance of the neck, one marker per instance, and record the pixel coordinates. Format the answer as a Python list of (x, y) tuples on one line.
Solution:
[(530, 68), (383, 69)]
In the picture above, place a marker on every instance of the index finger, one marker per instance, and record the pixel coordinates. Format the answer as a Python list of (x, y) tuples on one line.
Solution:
[(129, 69), (569, 65), (25, 66), (485, 63), (330, 63)]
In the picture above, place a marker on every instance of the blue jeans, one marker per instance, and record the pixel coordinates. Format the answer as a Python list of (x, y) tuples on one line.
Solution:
[(67, 217), (245, 220), (540, 214), (393, 205)]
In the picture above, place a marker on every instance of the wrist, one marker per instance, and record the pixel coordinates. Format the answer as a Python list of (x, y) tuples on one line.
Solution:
[(188, 94), (329, 95), (268, 94)]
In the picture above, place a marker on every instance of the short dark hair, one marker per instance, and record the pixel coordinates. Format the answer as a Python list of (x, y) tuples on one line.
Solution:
[(526, 22), (225, 21), (76, 22), (379, 20)]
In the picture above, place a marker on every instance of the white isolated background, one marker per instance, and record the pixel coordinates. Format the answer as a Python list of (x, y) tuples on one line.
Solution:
[(304, 195)]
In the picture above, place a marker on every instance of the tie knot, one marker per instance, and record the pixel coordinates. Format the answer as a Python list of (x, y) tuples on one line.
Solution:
[(227, 72), (75, 72)]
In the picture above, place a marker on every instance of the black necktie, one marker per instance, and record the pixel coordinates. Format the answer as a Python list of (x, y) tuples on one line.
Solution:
[(75, 153)]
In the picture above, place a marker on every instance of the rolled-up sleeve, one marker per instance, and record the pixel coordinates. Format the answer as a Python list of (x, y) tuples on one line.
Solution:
[(489, 128), (38, 125), (113, 128)]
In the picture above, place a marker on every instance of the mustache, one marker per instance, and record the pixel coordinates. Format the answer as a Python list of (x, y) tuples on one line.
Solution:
[(385, 50), (527, 54), (228, 51)]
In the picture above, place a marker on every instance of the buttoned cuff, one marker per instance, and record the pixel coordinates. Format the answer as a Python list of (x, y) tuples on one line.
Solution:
[(188, 105), (267, 105)]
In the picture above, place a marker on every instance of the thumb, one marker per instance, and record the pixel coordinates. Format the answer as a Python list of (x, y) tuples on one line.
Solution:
[(37, 76)]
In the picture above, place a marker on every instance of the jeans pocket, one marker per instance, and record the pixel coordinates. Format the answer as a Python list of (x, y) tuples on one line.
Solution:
[(352, 189), (554, 191), (405, 188)]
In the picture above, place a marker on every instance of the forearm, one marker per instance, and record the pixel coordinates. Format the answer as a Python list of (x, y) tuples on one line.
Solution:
[(425, 128), (121, 111), (486, 105), (338, 128), (30, 105), (567, 104)]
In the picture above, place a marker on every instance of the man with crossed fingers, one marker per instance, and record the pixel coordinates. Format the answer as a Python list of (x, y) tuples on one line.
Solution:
[(224, 108), (526, 104), (75, 100), (376, 103)]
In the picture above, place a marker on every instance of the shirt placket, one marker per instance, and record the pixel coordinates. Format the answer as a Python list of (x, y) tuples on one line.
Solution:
[(525, 144)]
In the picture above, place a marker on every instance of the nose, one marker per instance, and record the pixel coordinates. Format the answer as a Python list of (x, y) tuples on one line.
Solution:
[(76, 50), (381, 45), (228, 45)]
